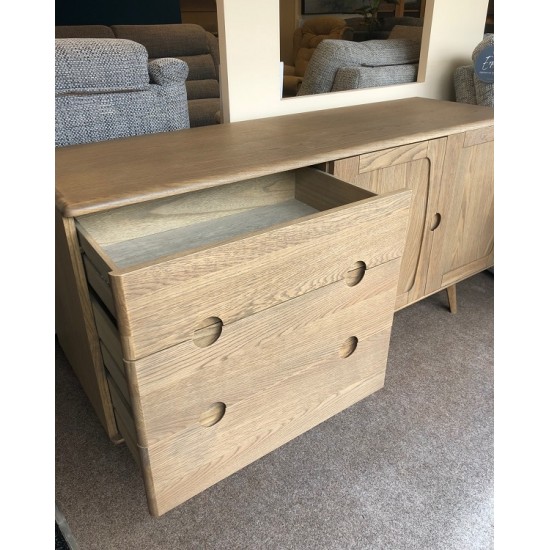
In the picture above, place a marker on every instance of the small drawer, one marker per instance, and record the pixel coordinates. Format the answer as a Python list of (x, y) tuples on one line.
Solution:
[(219, 255)]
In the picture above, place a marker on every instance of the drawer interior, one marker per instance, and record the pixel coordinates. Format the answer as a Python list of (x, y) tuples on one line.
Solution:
[(135, 234)]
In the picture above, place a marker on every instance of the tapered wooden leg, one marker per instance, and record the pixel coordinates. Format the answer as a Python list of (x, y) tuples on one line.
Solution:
[(451, 295)]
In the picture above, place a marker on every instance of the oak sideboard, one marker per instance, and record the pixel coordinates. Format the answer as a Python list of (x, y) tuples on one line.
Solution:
[(221, 290)]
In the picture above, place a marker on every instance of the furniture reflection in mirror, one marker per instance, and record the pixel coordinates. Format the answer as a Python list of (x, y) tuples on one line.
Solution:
[(398, 20), (306, 39), (338, 65)]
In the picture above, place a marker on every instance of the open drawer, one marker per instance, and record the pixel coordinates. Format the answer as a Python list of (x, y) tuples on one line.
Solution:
[(171, 269), (233, 319)]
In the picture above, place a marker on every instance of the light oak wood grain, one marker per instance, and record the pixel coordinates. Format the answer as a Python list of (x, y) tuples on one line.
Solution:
[(418, 167), (142, 233), (190, 461), (106, 329), (122, 407), (207, 233), (207, 354), (283, 263), (451, 295), (74, 324), (152, 217), (100, 283), (116, 368), (463, 244), (175, 386), (105, 175), (127, 434)]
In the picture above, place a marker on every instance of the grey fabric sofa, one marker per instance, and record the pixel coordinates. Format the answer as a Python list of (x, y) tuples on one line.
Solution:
[(103, 91), (188, 42), (338, 65)]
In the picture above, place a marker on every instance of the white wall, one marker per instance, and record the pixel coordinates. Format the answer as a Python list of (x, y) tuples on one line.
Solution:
[(250, 58)]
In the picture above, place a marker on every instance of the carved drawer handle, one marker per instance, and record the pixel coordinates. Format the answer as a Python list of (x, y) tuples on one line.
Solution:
[(348, 347), (355, 273), (436, 221), (208, 331), (213, 414)]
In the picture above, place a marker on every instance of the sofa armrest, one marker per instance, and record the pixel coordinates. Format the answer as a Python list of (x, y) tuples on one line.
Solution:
[(167, 71)]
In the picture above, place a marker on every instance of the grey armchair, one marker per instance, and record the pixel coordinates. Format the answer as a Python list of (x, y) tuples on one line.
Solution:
[(185, 41), (106, 89)]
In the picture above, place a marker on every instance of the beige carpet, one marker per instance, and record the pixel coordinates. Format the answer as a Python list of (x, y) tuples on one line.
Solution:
[(410, 467)]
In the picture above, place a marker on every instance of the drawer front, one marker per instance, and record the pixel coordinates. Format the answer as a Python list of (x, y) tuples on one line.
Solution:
[(199, 456), (163, 304), (176, 387)]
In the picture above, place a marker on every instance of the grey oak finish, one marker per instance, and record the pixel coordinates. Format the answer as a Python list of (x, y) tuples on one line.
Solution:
[(189, 260)]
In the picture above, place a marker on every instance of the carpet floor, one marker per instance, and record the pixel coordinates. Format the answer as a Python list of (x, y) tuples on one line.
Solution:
[(408, 468)]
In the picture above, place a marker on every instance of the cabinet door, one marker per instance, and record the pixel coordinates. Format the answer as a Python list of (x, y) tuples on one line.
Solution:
[(463, 244), (416, 166)]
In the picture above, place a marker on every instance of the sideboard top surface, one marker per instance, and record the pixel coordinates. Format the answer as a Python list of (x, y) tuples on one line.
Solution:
[(108, 174)]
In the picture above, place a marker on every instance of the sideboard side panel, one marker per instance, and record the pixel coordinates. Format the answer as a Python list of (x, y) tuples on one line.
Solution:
[(74, 324)]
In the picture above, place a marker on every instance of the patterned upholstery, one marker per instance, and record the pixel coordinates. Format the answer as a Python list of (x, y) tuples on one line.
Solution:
[(338, 65), (185, 41), (305, 39), (103, 91)]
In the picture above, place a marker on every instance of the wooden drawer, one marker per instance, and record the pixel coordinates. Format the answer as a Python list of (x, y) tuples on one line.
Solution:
[(203, 413), (175, 266), (233, 319), (200, 455), (175, 387)]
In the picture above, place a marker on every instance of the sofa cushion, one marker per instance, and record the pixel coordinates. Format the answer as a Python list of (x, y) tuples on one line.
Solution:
[(332, 55), (353, 78), (381, 53), (201, 89), (171, 40), (96, 65), (187, 42), (204, 112), (201, 67), (84, 31)]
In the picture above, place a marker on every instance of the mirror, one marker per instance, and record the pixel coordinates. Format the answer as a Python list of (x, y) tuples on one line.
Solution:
[(305, 23)]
